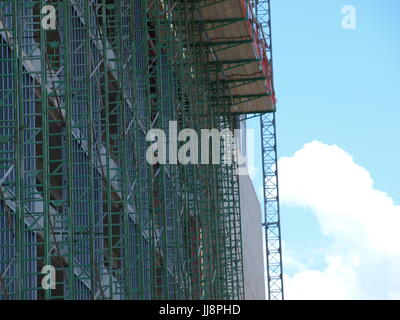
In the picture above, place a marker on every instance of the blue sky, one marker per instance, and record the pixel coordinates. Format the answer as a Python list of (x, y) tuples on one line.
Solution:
[(338, 87)]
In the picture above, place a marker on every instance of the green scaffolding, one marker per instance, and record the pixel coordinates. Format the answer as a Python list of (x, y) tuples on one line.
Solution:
[(76, 190)]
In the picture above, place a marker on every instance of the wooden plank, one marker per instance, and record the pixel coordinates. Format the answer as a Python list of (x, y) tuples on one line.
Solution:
[(239, 30)]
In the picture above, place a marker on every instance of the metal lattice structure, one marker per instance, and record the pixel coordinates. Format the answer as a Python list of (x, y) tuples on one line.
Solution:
[(270, 172), (271, 208), (77, 192)]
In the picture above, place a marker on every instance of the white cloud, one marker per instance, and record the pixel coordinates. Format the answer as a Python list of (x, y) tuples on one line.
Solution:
[(394, 295), (337, 281), (362, 221), (291, 262)]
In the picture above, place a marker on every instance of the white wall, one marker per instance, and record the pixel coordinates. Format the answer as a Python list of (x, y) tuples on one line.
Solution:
[(252, 241)]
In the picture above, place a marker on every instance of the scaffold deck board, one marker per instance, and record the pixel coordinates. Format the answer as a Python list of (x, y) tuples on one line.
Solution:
[(241, 30)]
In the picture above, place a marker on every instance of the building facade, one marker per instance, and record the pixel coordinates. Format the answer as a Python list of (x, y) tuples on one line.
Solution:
[(83, 214)]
